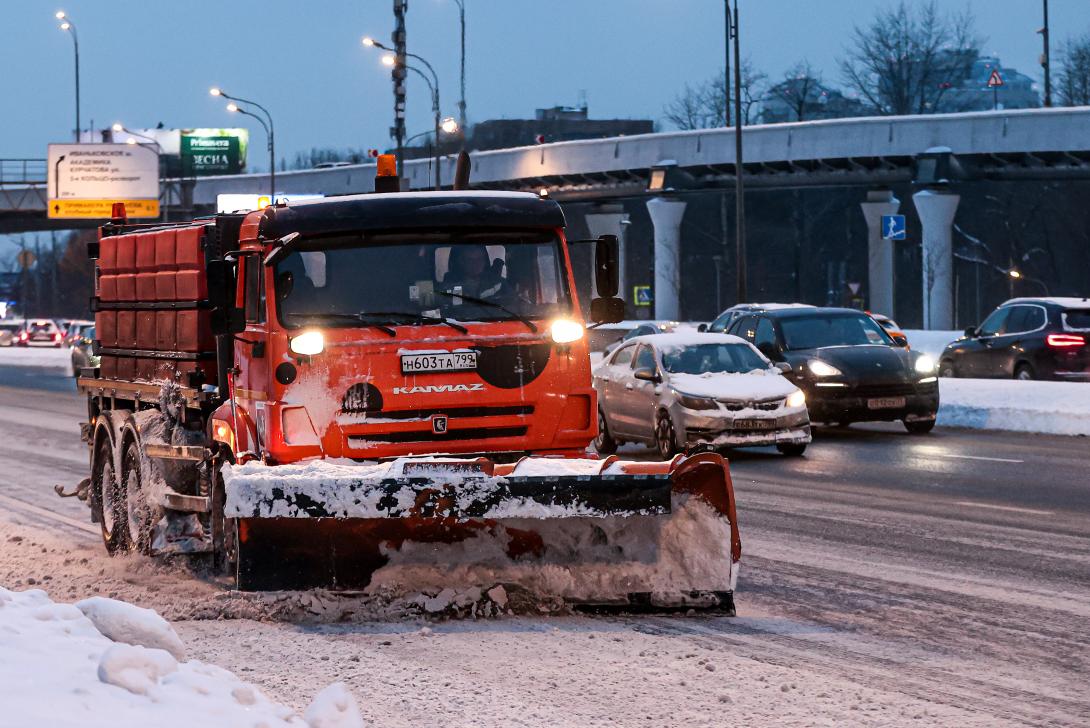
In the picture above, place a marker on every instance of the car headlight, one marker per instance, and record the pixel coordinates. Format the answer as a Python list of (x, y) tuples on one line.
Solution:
[(565, 331), (820, 369), (308, 343), (925, 364), (696, 403), (796, 399)]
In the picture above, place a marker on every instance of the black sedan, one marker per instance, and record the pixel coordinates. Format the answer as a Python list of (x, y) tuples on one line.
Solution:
[(849, 367), (1025, 338)]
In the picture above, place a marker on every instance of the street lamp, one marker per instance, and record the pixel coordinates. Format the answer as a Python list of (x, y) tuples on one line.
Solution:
[(739, 188), (234, 108), (70, 27), (462, 100)]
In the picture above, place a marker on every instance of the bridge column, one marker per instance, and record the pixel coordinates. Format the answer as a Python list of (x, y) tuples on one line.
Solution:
[(666, 214), (936, 210), (880, 273), (611, 220)]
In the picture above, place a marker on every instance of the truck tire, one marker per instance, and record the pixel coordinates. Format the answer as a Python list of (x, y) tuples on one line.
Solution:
[(224, 530), (139, 512), (106, 503)]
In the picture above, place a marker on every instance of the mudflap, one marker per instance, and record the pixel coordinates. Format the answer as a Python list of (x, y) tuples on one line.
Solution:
[(594, 532)]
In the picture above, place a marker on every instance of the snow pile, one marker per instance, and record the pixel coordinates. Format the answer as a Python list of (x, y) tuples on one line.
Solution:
[(32, 356), (58, 669), (1057, 408), (930, 342)]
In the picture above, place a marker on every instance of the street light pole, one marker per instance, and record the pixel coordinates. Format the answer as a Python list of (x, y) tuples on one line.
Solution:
[(462, 101), (68, 25), (726, 63), (739, 187), (1045, 61), (270, 132)]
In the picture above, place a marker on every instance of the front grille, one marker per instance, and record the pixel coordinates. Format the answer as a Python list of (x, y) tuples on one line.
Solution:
[(471, 433), (767, 406), (452, 412), (893, 389)]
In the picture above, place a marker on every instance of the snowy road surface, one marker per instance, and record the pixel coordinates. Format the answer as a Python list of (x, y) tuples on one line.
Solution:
[(887, 580)]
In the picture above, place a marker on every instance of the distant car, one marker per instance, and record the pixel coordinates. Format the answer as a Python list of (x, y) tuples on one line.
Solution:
[(850, 368), (83, 355), (9, 332), (74, 330), (41, 331), (1025, 338), (891, 327), (697, 391), (732, 314), (610, 336)]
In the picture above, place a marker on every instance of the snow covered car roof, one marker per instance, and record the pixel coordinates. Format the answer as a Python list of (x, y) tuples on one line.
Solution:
[(1064, 301), (688, 338)]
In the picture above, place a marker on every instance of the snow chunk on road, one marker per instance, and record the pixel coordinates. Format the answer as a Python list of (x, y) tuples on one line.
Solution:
[(58, 670), (128, 623), (1055, 408)]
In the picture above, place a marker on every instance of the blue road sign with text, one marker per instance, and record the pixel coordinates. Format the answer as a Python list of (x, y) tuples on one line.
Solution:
[(893, 227)]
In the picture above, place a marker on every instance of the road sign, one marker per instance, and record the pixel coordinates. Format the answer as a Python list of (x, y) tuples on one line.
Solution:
[(84, 180), (206, 152), (995, 79), (893, 227), (642, 295), (26, 259), (854, 287)]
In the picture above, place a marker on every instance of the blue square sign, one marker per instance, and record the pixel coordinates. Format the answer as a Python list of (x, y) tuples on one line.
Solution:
[(893, 227)]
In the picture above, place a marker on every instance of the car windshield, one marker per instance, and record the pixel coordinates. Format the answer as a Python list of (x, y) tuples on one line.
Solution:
[(813, 332), (712, 358), (405, 278)]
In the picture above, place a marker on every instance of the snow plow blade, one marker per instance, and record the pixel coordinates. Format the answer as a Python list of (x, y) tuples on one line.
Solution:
[(588, 531)]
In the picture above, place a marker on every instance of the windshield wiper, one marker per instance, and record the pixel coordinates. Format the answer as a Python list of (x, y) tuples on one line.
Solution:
[(442, 320), (359, 318), (473, 299)]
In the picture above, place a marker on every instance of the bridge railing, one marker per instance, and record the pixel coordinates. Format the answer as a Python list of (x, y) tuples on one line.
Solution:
[(22, 171)]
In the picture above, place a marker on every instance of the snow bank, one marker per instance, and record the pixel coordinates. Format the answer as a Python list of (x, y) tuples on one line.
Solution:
[(58, 669), (32, 356), (930, 342), (1056, 408)]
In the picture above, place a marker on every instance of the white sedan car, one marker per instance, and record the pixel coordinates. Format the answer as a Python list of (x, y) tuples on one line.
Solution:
[(697, 391)]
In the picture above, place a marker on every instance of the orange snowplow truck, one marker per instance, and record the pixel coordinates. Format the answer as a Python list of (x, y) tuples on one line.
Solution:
[(351, 391)]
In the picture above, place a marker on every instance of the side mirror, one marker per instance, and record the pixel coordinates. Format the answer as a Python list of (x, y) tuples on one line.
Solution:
[(607, 310), (783, 367), (702, 328), (900, 340), (606, 266), (970, 332), (647, 374)]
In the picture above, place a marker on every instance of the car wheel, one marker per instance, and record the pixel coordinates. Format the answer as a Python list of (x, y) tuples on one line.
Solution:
[(946, 368), (919, 427), (604, 442), (665, 438), (1024, 372), (792, 449)]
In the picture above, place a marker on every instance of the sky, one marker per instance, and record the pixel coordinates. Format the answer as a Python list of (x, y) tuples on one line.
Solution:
[(150, 61)]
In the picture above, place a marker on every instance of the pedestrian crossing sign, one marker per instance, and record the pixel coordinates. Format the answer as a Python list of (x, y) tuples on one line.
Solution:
[(893, 227)]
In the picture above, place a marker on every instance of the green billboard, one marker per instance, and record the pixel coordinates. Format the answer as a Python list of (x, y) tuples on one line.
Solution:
[(206, 152)]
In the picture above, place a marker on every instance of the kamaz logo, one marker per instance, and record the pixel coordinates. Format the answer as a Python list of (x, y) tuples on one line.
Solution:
[(439, 388)]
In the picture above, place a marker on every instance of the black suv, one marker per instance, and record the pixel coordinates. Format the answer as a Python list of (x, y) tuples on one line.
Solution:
[(850, 368), (1025, 338)]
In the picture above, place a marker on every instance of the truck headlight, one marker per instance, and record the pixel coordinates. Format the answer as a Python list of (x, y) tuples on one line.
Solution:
[(796, 399), (688, 401), (820, 369), (308, 343), (565, 331), (925, 364)]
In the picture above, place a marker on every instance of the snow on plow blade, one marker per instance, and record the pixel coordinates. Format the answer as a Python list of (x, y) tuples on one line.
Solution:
[(591, 531)]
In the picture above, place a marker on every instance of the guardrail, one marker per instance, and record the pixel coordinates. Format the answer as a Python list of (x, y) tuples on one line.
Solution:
[(22, 171)]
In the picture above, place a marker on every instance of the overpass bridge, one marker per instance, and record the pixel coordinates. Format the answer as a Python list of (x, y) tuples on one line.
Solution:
[(871, 154)]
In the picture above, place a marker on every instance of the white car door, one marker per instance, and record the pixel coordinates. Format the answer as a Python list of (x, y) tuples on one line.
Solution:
[(612, 377)]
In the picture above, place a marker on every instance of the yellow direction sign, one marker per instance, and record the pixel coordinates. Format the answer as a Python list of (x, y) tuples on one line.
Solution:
[(26, 259), (102, 209)]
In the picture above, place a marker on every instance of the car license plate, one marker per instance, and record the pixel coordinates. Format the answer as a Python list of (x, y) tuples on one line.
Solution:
[(755, 424), (885, 402), (455, 361)]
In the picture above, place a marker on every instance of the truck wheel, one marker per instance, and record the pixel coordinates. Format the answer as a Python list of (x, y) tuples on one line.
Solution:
[(665, 438), (107, 506), (139, 513), (604, 442), (224, 531)]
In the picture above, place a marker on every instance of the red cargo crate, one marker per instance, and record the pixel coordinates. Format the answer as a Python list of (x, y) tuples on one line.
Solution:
[(165, 337), (145, 286), (145, 330), (165, 258), (191, 285), (126, 287), (146, 369), (107, 287), (126, 329), (107, 254), (194, 331), (188, 248), (145, 252), (107, 366), (164, 285), (126, 253), (126, 367), (106, 328)]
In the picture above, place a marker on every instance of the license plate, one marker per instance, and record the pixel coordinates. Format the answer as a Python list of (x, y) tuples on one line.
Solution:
[(755, 424), (455, 361), (885, 402)]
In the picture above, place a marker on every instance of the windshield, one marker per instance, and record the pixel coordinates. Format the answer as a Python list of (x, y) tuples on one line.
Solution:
[(813, 332), (407, 278), (704, 358)]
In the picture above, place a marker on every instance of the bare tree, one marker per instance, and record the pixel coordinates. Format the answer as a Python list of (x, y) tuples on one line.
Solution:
[(799, 89), (1073, 82), (701, 106), (907, 59)]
